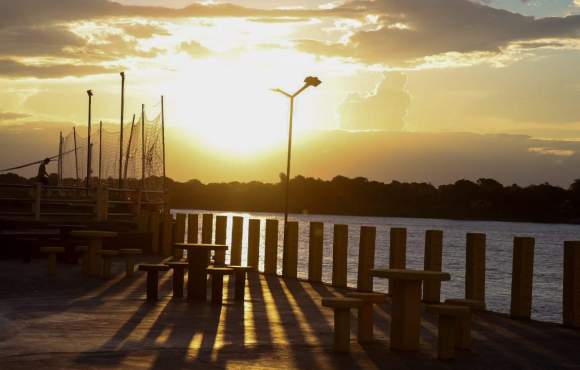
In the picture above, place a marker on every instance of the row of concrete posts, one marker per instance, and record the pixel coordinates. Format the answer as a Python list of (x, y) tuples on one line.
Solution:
[(475, 269)]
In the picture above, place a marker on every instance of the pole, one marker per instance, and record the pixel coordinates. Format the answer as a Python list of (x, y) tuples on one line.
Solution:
[(88, 183), (142, 146), (76, 154), (288, 168), (100, 150), (59, 170), (120, 184), (129, 149), (163, 138)]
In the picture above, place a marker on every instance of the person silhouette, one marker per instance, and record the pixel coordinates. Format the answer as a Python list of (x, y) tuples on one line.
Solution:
[(42, 176)]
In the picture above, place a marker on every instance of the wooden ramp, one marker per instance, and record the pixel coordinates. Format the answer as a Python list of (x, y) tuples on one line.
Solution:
[(69, 321)]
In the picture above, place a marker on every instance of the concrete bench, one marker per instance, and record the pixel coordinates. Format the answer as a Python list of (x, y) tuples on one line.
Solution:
[(52, 252), (342, 307), (365, 313), (82, 250), (463, 336), (217, 282), (129, 255), (178, 268), (240, 273), (107, 256), (152, 279), (449, 317)]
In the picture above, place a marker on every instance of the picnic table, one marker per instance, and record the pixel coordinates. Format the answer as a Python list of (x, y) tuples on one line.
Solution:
[(95, 244), (406, 304), (198, 261)]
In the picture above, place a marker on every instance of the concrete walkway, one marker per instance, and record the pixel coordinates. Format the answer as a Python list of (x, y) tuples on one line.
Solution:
[(72, 322)]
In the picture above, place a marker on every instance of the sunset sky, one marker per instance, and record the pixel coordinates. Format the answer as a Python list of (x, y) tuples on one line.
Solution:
[(413, 90)]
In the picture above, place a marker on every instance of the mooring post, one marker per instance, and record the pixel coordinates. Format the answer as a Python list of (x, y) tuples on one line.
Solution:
[(571, 296), (237, 235), (366, 258), (433, 262), (397, 250), (271, 250), (339, 256), (253, 256), (207, 228), (192, 228), (290, 251), (475, 267), (522, 278), (221, 226), (315, 249)]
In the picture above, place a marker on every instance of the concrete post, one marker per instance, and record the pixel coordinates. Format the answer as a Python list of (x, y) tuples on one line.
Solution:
[(475, 267), (433, 262), (271, 250), (192, 228), (522, 278), (366, 258), (571, 304), (290, 251), (137, 203), (237, 235), (179, 237), (207, 228), (397, 250), (154, 226), (102, 203), (36, 198), (254, 244), (315, 249), (221, 226), (339, 256), (167, 243)]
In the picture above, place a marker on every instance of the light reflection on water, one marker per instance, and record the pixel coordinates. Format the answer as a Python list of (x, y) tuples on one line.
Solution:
[(548, 262)]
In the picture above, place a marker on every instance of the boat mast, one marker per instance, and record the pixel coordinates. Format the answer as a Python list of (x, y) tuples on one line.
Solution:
[(129, 148), (89, 147), (76, 154), (100, 150), (163, 138), (142, 146)]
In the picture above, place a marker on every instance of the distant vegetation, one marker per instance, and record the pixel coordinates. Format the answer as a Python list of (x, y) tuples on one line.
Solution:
[(485, 199)]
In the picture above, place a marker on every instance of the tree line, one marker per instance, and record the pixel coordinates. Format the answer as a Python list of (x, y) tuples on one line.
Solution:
[(484, 199)]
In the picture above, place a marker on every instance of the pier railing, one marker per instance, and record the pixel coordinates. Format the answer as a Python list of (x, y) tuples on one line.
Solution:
[(36, 202), (186, 228)]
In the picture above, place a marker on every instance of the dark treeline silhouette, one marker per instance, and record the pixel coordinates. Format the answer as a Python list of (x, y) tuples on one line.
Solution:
[(485, 199)]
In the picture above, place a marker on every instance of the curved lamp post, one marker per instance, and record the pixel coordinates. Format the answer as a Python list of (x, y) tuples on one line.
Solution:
[(308, 82)]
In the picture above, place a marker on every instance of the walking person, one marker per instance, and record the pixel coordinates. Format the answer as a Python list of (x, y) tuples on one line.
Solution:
[(42, 176)]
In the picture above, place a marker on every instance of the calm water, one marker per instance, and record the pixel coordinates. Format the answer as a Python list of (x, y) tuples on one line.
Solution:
[(548, 263)]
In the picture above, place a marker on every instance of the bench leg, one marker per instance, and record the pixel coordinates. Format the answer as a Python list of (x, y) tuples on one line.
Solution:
[(446, 340), (463, 333), (52, 264), (406, 315), (152, 283), (239, 285), (178, 283), (217, 288), (365, 323), (107, 262), (129, 266), (342, 330)]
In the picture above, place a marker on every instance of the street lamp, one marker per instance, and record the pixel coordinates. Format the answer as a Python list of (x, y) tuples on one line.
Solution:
[(309, 81)]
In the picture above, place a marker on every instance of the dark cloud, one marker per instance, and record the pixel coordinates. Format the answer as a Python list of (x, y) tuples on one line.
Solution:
[(12, 116), (414, 29), (37, 41), (385, 109), (13, 69)]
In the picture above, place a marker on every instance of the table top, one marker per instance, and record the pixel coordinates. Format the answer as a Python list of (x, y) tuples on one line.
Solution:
[(399, 274), (93, 234), (207, 247)]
